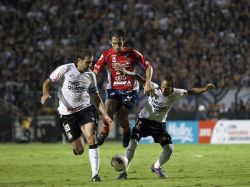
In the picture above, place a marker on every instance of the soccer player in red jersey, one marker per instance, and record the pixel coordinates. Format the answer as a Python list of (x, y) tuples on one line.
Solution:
[(122, 90)]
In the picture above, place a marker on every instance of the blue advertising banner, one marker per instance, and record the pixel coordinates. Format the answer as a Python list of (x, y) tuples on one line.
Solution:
[(183, 132)]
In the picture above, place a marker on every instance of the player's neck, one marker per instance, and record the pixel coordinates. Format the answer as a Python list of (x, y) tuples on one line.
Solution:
[(82, 70), (120, 51)]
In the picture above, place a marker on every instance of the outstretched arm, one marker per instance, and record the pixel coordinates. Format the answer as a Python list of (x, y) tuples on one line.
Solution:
[(96, 99), (196, 91), (45, 95)]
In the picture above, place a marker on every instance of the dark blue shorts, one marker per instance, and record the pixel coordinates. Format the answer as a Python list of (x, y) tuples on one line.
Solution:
[(125, 97)]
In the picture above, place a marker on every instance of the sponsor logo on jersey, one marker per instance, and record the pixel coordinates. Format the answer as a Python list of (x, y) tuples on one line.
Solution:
[(76, 87), (127, 83), (158, 106), (113, 57)]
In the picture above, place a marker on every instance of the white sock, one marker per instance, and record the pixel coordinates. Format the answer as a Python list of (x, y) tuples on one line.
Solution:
[(131, 150), (94, 158), (165, 155)]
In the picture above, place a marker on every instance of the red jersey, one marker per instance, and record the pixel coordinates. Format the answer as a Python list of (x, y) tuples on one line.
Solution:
[(127, 57)]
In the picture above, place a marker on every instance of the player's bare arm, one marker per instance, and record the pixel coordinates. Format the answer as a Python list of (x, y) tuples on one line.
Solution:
[(45, 95), (195, 91), (148, 89), (96, 99)]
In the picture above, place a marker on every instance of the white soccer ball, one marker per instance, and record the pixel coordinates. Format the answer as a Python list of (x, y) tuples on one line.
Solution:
[(119, 162)]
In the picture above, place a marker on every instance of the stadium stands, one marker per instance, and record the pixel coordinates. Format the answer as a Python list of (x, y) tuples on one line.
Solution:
[(194, 41)]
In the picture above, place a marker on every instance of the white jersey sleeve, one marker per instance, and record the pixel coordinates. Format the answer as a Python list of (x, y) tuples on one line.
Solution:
[(180, 93), (93, 86), (154, 85), (58, 73)]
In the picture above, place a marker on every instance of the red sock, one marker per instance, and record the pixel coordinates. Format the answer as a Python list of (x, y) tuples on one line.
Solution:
[(105, 127)]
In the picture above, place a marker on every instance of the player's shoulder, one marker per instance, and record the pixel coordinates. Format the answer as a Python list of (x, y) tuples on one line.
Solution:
[(90, 73), (134, 51), (128, 49), (67, 66), (70, 65), (108, 52)]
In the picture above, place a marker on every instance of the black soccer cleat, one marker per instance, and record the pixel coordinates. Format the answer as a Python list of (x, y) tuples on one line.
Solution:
[(123, 176), (126, 138), (101, 138), (96, 178)]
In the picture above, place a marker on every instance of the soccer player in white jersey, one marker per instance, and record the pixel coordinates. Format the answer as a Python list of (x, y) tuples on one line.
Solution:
[(78, 89), (151, 120)]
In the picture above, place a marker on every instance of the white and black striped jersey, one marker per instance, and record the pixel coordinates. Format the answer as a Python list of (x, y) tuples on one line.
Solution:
[(158, 105), (74, 88)]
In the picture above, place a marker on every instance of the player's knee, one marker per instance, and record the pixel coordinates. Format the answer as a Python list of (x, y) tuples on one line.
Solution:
[(168, 150), (78, 150), (135, 135), (111, 109), (124, 121), (90, 139)]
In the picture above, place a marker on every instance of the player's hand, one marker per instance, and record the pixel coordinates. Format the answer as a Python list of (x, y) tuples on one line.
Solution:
[(109, 121), (148, 89), (209, 86), (44, 98), (121, 69)]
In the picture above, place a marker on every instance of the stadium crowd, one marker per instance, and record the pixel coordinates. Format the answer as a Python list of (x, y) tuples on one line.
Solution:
[(194, 41)]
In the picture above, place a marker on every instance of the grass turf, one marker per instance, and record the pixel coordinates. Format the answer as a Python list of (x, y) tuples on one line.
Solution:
[(54, 165)]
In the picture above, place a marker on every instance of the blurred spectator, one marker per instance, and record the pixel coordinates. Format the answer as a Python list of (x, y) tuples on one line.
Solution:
[(201, 113), (206, 37)]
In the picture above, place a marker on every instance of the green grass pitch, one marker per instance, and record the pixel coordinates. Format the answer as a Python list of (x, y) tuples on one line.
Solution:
[(54, 165)]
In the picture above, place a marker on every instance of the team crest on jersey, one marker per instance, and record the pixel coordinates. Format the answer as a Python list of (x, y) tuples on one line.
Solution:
[(114, 61), (113, 58)]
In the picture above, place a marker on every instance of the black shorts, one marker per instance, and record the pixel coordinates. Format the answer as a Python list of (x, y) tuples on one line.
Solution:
[(71, 124), (125, 97), (145, 127)]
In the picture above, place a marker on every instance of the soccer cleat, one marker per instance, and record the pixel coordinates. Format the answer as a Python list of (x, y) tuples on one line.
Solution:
[(96, 178), (123, 176), (126, 138), (100, 138), (159, 172)]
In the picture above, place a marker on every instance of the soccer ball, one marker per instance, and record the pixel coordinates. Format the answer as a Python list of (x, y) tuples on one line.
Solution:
[(119, 162)]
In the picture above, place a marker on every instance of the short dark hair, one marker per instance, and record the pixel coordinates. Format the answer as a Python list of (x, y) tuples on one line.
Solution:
[(82, 53), (117, 33), (169, 79)]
